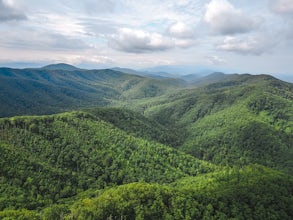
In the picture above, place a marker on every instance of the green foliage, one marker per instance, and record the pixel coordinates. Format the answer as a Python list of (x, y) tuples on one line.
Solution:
[(113, 163), (50, 90), (137, 125), (55, 157), (21, 214), (55, 212), (253, 192), (241, 120)]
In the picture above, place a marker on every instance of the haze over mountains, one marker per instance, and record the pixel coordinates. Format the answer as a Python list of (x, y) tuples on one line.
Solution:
[(171, 71), (122, 144)]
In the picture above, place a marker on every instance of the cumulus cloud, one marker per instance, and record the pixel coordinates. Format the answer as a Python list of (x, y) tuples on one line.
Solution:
[(138, 41), (9, 13), (183, 35), (224, 18), (255, 45), (181, 30), (282, 6)]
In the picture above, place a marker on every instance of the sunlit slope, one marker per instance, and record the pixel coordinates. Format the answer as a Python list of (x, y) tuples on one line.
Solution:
[(246, 119), (47, 158), (253, 192)]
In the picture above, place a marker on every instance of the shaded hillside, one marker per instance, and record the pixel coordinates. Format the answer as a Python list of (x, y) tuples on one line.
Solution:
[(58, 88), (48, 158), (242, 120), (211, 78), (138, 125)]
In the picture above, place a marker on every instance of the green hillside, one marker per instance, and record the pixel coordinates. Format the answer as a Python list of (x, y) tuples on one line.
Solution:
[(60, 88), (241, 120), (229, 194), (221, 150), (138, 125), (253, 192), (47, 158), (79, 165)]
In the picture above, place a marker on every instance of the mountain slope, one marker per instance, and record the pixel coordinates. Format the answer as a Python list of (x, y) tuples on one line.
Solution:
[(241, 120), (55, 89), (137, 125), (229, 194), (48, 158), (253, 192), (113, 163), (211, 78)]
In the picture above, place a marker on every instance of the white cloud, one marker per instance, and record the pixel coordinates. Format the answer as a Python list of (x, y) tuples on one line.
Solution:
[(9, 13), (224, 18), (181, 30), (252, 45), (154, 32), (60, 24), (282, 6), (138, 41)]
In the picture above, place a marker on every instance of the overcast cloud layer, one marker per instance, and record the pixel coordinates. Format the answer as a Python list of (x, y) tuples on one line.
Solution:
[(249, 36)]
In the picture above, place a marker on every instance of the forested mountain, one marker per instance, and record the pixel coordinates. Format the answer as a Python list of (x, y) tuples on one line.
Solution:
[(211, 78), (47, 158), (57, 88), (220, 148), (248, 193), (240, 120), (79, 166)]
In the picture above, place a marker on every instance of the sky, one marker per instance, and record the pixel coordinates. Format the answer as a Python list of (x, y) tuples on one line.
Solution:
[(237, 35)]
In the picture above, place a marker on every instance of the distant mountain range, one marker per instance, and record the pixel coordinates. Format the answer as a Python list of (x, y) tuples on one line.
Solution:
[(146, 73), (61, 87)]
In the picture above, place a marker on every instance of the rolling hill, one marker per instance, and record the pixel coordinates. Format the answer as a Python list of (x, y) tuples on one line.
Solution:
[(55, 157), (143, 148), (240, 120), (78, 165), (61, 87)]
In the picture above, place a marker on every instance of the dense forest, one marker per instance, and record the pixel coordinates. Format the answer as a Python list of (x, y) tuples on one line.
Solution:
[(49, 90), (133, 147), (241, 120)]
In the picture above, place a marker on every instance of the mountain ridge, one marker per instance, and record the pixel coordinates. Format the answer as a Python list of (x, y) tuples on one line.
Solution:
[(68, 90), (244, 116), (60, 66)]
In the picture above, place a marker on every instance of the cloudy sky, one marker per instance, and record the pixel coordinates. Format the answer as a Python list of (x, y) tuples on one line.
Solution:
[(246, 36)]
